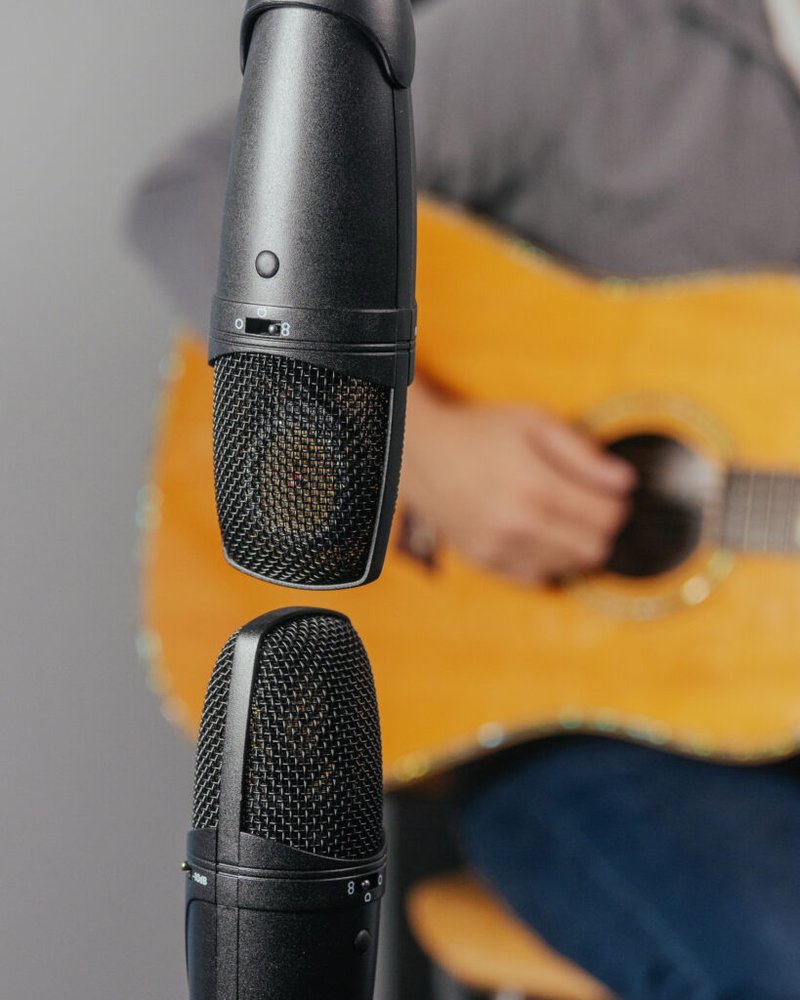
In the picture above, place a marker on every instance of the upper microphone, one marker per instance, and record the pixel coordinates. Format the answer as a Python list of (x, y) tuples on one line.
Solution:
[(286, 858), (314, 322)]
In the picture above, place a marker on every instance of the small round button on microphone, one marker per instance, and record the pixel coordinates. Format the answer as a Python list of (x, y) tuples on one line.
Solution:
[(267, 264), (362, 942)]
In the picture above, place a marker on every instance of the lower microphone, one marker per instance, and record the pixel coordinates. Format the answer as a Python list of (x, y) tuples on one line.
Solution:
[(286, 859)]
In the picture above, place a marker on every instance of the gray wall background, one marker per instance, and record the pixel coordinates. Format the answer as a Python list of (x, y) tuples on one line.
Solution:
[(94, 800)]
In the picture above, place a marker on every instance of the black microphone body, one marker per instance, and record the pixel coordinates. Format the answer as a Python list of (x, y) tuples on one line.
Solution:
[(314, 320), (289, 747)]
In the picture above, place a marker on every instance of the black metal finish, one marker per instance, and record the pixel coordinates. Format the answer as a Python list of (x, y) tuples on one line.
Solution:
[(245, 954), (266, 920), (321, 198), (322, 177), (390, 26)]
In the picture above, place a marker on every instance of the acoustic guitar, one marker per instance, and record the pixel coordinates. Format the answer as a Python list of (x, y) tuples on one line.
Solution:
[(691, 636)]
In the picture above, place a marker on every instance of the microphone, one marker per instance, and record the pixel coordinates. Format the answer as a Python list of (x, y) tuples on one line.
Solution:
[(314, 320), (286, 859)]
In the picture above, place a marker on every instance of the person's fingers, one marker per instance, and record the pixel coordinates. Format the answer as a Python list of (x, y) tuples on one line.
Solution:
[(533, 568), (575, 547), (581, 508), (579, 457), (551, 492), (522, 495), (534, 551)]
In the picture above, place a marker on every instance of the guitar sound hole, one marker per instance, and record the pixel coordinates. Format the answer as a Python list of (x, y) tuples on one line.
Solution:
[(665, 524)]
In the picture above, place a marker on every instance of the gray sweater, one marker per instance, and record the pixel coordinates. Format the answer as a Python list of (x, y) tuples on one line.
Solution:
[(633, 137)]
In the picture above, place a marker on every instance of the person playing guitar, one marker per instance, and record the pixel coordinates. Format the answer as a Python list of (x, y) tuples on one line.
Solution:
[(642, 139)]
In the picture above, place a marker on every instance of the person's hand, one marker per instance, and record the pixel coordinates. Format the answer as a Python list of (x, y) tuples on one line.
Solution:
[(513, 489)]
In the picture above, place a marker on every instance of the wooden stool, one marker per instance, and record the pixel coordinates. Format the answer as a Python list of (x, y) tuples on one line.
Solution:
[(481, 946)]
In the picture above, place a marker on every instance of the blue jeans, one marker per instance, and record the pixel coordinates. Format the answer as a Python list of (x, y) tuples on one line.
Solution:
[(666, 878)]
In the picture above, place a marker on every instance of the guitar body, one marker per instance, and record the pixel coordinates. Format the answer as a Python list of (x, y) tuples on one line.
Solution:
[(703, 657)]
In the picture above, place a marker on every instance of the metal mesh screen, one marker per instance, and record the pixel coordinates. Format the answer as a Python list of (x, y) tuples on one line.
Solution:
[(313, 771), (208, 760), (299, 455), (312, 775)]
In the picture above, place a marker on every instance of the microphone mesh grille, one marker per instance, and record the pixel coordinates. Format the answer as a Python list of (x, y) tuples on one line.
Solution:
[(208, 759), (299, 456), (312, 776), (313, 771)]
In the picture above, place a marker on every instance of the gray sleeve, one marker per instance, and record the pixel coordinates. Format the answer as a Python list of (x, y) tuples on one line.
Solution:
[(175, 217), (494, 81)]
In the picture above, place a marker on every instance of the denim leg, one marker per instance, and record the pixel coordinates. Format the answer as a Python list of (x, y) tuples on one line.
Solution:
[(667, 878)]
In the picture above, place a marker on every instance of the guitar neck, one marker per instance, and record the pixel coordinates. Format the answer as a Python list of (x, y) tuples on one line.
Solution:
[(761, 512)]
